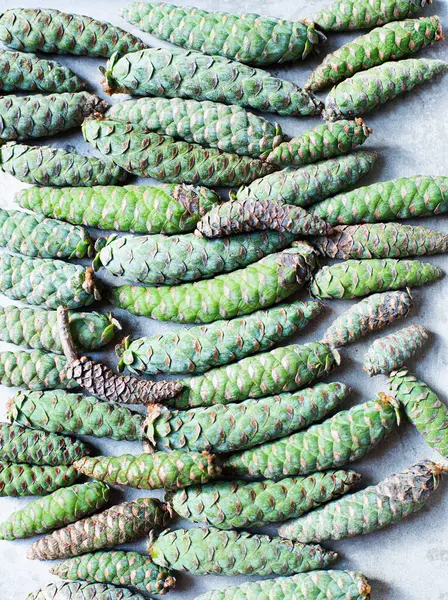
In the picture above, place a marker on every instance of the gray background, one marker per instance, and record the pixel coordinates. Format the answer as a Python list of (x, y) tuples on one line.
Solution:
[(408, 561)]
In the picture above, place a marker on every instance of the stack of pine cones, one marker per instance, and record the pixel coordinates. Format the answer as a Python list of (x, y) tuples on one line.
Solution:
[(251, 437)]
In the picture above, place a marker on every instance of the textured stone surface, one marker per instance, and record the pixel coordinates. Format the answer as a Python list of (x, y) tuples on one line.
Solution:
[(410, 134)]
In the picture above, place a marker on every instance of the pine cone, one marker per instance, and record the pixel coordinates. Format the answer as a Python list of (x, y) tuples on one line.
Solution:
[(102, 382)]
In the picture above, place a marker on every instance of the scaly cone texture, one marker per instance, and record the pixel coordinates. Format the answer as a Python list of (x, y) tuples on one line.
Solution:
[(281, 370), (344, 15), (156, 259), (367, 90), (35, 370), (29, 73), (201, 348), (180, 74), (40, 116), (119, 524), (355, 278), (391, 352), (404, 198), (228, 128), (337, 585), (34, 235), (20, 445), (120, 568), (324, 141), (237, 426), (258, 286), (56, 510), (99, 380), (423, 408), (391, 42), (381, 240), (239, 504), (55, 32), (206, 550), (51, 283), (249, 38), (370, 509), (60, 412), (371, 314), (311, 183), (149, 154), (238, 216), (146, 471), (83, 591), (33, 480), (38, 328), (44, 165), (166, 208), (344, 438)]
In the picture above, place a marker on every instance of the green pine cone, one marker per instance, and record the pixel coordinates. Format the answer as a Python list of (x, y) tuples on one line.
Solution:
[(201, 348), (368, 510), (38, 328), (44, 165), (55, 32), (35, 370), (423, 408), (389, 353), (337, 585), (231, 427), (367, 90), (249, 38), (355, 278), (371, 314), (33, 480), (23, 117), (148, 471), (391, 42), (344, 15), (56, 510), (344, 438), (258, 286), (37, 236), (324, 141), (381, 240), (66, 590), (166, 208), (175, 73), (119, 524), (58, 411), (238, 216), (281, 370), (51, 283), (149, 154), (119, 568), (20, 445), (156, 259), (309, 184), (202, 551), (228, 128), (29, 73), (404, 198), (240, 504)]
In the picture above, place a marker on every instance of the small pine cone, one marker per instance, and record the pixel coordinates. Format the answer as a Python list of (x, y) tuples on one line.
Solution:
[(120, 524), (102, 382)]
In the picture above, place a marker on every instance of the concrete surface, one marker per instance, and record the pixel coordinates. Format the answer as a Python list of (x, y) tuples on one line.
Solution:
[(410, 560)]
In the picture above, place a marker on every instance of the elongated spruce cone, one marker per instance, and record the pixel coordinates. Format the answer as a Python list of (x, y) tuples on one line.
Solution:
[(247, 215), (101, 381)]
